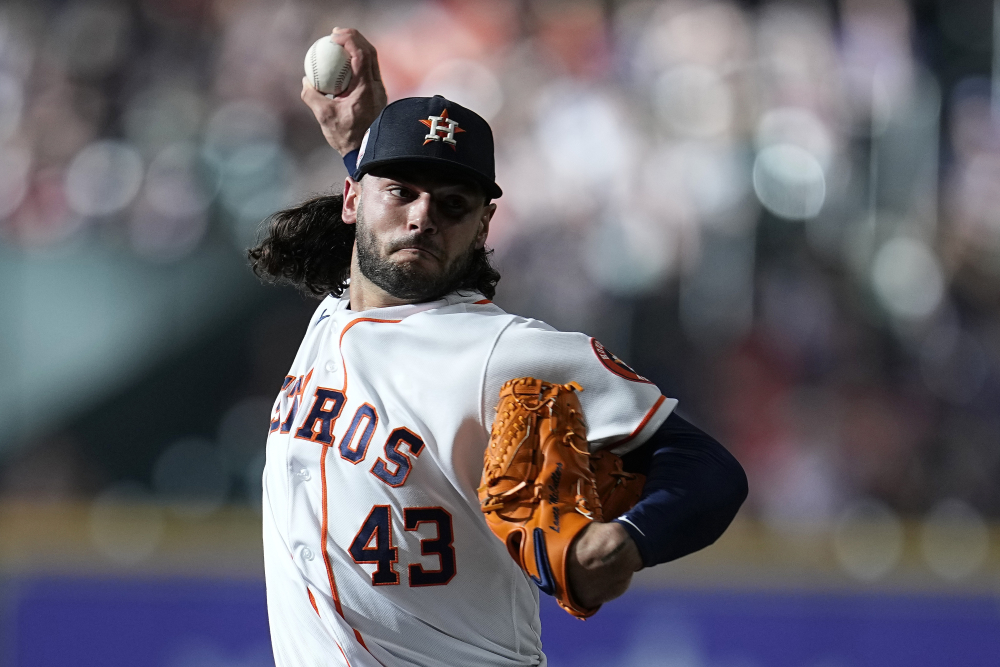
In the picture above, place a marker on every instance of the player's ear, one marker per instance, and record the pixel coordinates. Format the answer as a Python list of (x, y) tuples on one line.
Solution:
[(352, 192), (484, 224)]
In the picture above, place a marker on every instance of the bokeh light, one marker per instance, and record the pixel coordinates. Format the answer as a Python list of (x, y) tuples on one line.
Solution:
[(789, 181), (868, 540), (103, 178), (693, 101), (907, 278), (126, 524), (178, 184), (954, 539), (798, 127)]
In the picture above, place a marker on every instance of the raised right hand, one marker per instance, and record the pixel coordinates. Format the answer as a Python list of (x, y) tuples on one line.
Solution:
[(345, 118)]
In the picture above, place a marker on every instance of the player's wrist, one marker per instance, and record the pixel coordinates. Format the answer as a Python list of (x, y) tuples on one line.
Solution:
[(344, 144), (607, 545), (602, 560), (642, 547)]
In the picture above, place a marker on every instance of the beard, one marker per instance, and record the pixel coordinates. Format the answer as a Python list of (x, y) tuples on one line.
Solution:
[(406, 280)]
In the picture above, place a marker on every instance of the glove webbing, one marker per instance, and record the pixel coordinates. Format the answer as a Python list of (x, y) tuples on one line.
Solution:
[(495, 502)]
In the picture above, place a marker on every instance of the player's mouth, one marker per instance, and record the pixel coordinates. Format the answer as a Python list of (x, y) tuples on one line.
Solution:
[(418, 251), (416, 248)]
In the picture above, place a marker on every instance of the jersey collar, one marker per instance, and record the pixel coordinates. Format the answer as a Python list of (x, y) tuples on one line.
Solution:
[(399, 312)]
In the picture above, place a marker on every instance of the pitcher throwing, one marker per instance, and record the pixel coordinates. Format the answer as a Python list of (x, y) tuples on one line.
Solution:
[(377, 546)]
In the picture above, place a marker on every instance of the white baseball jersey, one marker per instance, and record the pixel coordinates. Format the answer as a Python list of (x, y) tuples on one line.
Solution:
[(375, 549)]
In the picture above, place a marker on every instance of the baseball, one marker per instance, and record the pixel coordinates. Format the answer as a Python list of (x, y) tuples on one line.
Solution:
[(328, 66)]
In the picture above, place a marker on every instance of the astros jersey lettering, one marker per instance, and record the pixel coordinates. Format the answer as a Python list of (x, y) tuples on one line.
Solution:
[(376, 551)]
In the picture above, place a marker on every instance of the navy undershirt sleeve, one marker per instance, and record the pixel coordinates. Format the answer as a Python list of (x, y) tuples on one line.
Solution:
[(693, 489), (351, 161)]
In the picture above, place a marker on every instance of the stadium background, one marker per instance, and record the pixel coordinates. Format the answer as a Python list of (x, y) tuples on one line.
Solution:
[(787, 214)]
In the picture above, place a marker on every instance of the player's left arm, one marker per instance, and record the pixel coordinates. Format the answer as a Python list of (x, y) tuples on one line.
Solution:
[(693, 486), (693, 489)]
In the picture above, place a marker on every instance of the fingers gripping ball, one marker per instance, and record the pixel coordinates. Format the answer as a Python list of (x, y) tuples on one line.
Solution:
[(538, 490), (328, 66)]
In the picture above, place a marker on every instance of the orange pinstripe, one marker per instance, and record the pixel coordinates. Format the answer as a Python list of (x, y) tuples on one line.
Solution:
[(324, 522), (344, 654), (312, 600)]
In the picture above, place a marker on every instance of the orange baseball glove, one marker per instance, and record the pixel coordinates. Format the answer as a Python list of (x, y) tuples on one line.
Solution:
[(539, 490), (618, 490)]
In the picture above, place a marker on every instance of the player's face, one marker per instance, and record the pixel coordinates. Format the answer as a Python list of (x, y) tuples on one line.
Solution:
[(417, 231)]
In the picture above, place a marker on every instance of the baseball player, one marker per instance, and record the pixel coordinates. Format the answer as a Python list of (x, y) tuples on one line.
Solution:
[(375, 545)]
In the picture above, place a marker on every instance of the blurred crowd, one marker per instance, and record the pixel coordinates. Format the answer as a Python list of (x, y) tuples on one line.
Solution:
[(785, 214)]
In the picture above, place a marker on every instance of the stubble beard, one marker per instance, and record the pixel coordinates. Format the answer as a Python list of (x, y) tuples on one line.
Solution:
[(406, 280)]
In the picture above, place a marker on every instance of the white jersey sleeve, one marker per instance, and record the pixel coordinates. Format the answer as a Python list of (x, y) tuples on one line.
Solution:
[(621, 408)]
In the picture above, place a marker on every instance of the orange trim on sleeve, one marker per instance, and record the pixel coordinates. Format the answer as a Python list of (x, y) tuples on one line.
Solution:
[(481, 302), (642, 424)]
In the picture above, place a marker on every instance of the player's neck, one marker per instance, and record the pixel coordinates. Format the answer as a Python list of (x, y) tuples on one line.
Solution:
[(365, 295)]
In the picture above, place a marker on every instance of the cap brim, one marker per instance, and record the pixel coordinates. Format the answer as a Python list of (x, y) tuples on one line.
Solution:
[(491, 189)]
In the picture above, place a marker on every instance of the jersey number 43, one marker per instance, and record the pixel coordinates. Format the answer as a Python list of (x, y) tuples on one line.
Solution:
[(373, 545)]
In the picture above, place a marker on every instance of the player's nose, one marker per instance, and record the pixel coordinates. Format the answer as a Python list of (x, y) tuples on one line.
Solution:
[(421, 218)]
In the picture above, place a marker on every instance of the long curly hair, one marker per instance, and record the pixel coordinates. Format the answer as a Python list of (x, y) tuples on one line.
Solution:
[(309, 246)]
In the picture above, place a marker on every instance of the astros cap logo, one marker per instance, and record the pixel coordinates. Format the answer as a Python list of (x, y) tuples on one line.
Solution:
[(442, 128)]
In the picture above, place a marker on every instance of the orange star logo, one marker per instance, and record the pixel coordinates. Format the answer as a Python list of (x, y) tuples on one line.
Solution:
[(441, 128)]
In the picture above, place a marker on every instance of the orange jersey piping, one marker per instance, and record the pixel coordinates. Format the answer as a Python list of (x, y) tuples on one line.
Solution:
[(324, 522)]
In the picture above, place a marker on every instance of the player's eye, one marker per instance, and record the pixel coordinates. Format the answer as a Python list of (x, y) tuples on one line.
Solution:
[(401, 192), (455, 205)]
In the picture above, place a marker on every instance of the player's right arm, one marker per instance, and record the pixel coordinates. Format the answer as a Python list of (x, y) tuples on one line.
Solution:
[(345, 118)]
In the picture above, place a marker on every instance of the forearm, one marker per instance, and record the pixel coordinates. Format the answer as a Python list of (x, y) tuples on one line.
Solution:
[(693, 489)]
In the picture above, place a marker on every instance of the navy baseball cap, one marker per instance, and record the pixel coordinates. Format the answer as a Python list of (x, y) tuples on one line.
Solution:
[(433, 131)]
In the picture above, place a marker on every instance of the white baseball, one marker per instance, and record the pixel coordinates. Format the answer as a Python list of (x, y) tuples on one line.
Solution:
[(328, 66)]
